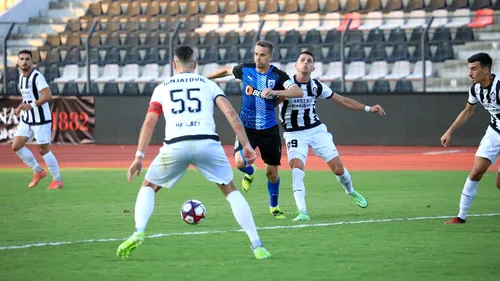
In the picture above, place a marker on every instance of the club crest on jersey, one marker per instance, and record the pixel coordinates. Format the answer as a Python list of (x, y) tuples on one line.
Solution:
[(493, 96), (271, 83)]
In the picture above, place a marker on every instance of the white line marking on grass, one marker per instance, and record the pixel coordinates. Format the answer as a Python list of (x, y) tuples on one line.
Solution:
[(238, 230), (442, 152)]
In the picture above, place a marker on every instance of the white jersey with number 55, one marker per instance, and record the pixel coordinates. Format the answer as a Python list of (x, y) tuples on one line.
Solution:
[(187, 101)]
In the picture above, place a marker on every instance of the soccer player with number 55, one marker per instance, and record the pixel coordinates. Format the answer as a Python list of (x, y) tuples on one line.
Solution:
[(303, 129)]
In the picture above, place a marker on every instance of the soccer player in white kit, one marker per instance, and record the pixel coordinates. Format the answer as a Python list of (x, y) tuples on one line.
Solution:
[(36, 121), (187, 102), (303, 129), (485, 90)]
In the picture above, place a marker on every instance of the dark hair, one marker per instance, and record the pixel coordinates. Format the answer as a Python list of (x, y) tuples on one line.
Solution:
[(307, 53), (28, 52), (483, 58), (265, 44), (184, 53)]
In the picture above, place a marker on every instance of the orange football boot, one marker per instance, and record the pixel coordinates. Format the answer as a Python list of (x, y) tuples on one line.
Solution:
[(36, 178)]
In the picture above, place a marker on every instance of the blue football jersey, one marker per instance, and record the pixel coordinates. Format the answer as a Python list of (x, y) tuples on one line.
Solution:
[(258, 112)]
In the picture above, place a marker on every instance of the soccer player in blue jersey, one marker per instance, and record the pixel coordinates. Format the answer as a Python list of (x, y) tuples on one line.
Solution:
[(262, 85)]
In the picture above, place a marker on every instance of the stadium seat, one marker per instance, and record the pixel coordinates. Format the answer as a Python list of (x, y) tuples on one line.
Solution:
[(355, 18), (94, 89), (392, 5), (109, 73), (312, 37), (435, 4), (310, 21), (70, 73), (152, 8), (354, 37), (441, 34), (271, 22), (444, 52), (292, 37), (458, 4), (149, 88), (403, 86), (417, 73), (318, 72), (166, 73), (359, 87), (209, 23), (399, 52), (271, 6), (336, 86), (330, 6), (440, 18), (94, 73), (333, 71), (356, 53), (333, 37), (289, 22), (413, 5), (381, 86), (397, 36), (375, 37), (273, 37), (310, 6), (290, 6), (230, 22), (480, 4), (464, 34), (350, 6), (330, 21), (210, 8), (372, 21), (70, 89), (482, 18), (378, 70), (110, 88), (416, 19), (130, 72), (356, 70), (229, 7), (400, 70), (149, 73), (250, 7), (460, 17), (394, 19), (417, 53), (130, 88), (250, 23)]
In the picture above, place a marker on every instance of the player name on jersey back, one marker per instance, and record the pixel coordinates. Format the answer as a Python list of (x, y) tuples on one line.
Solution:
[(187, 101)]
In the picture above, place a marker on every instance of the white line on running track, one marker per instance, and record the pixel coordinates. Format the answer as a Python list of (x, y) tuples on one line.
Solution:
[(442, 152), (238, 230)]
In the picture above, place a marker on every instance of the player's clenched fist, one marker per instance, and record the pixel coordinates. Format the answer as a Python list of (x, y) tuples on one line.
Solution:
[(249, 154)]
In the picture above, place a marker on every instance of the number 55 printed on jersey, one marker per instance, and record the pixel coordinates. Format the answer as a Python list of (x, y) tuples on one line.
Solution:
[(184, 97)]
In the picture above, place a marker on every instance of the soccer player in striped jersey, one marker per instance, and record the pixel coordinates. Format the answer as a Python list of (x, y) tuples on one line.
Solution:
[(303, 129), (36, 121), (485, 90), (262, 85)]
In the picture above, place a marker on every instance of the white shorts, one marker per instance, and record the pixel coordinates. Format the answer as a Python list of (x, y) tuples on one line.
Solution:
[(42, 133), (489, 147), (171, 163), (321, 141)]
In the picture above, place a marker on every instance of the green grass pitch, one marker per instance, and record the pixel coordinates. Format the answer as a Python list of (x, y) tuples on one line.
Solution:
[(91, 207)]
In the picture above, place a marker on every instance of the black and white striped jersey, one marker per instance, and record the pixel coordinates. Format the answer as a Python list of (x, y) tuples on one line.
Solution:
[(489, 98), (30, 88), (300, 113)]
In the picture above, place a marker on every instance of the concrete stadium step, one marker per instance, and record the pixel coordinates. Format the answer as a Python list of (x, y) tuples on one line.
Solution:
[(62, 14)]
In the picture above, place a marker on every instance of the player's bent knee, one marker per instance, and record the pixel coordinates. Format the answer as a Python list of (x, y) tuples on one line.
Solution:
[(227, 188), (272, 176), (16, 147), (152, 185)]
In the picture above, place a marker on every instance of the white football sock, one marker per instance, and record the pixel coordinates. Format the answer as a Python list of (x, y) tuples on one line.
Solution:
[(468, 194), (51, 161), (144, 206), (299, 189), (346, 182), (243, 215), (29, 159)]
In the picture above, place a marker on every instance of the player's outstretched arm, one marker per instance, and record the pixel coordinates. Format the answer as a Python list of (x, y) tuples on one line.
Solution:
[(292, 92), (223, 72), (235, 121), (355, 105), (462, 117)]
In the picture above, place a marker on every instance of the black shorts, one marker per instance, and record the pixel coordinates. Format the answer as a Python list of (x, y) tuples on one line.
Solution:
[(268, 141)]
